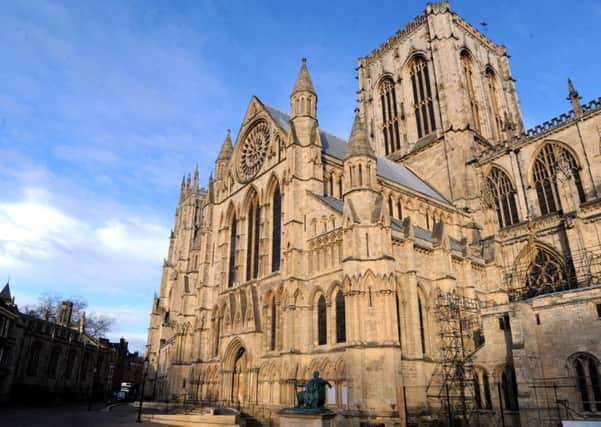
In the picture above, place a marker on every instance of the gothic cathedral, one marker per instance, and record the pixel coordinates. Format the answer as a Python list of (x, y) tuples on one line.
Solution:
[(442, 265)]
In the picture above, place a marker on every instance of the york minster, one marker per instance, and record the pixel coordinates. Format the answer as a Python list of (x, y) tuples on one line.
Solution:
[(441, 265)]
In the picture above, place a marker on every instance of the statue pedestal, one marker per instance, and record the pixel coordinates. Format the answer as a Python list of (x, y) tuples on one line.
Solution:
[(306, 418)]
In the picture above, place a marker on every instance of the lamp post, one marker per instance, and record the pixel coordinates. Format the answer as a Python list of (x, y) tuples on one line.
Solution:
[(145, 373)]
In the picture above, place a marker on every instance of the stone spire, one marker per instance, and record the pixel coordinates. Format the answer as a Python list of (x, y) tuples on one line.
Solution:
[(303, 81), (574, 98), (5, 295), (303, 99), (358, 144), (226, 149), (195, 182)]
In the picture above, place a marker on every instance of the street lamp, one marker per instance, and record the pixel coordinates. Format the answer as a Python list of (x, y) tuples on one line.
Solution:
[(145, 371)]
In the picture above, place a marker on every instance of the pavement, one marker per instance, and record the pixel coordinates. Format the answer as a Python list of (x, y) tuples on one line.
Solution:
[(72, 416)]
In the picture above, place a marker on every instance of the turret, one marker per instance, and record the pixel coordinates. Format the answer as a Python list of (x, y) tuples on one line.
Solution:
[(303, 107), (360, 166), (195, 179), (223, 158)]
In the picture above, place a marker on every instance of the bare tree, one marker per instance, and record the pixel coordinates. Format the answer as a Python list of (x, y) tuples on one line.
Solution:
[(47, 307)]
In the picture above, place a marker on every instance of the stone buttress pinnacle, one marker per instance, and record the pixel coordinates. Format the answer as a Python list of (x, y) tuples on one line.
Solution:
[(358, 144), (303, 81)]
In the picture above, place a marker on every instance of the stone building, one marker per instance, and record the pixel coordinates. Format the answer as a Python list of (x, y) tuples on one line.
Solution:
[(47, 361), (443, 263)]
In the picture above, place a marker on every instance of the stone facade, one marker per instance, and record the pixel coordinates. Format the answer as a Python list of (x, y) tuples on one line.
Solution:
[(444, 263)]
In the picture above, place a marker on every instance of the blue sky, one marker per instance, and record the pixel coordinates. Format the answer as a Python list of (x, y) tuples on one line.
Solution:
[(105, 105)]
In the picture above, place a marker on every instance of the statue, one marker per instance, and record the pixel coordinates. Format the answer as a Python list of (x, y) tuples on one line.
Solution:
[(314, 396)]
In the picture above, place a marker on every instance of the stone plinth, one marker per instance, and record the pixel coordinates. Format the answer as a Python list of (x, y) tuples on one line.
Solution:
[(305, 418)]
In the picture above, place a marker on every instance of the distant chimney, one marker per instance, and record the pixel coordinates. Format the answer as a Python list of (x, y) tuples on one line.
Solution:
[(65, 312)]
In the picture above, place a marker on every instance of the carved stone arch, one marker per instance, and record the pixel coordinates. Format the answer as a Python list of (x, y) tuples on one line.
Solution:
[(412, 56), (333, 289), (313, 366), (490, 70), (298, 297), (369, 279), (326, 368), (251, 193), (570, 360), (232, 353), (314, 295), (229, 214), (340, 369), (272, 183)]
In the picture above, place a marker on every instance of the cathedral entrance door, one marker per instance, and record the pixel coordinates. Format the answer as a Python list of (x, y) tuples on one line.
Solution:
[(240, 378)]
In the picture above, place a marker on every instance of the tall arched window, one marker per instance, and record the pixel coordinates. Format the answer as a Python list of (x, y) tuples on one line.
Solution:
[(503, 196), (423, 101), (322, 323), (551, 160), (586, 369), (390, 207), (468, 73), (495, 111), (252, 247), (399, 209), (390, 116), (276, 230), (231, 277), (340, 318), (546, 274), (422, 329), (509, 387), (274, 323), (217, 334)]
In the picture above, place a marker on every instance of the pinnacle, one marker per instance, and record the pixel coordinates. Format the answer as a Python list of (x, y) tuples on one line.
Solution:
[(358, 142), (226, 149), (303, 81), (5, 293)]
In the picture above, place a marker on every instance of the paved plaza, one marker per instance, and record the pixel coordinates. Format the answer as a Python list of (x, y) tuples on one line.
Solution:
[(71, 416)]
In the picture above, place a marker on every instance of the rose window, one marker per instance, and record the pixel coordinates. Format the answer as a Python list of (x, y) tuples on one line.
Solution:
[(253, 151)]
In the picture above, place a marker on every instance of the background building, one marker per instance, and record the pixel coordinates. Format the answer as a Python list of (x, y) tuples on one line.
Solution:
[(443, 263)]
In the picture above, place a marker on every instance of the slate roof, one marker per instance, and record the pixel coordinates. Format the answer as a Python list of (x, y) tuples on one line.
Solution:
[(335, 204), (387, 169)]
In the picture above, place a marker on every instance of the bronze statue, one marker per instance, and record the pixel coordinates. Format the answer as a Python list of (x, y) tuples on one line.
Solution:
[(314, 396)]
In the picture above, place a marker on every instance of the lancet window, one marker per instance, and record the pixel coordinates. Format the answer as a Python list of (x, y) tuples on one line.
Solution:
[(276, 231), (552, 161), (390, 116), (422, 328), (274, 323), (545, 274), (503, 196), (253, 239), (495, 110), (468, 73), (322, 325), (340, 318), (232, 264), (423, 100)]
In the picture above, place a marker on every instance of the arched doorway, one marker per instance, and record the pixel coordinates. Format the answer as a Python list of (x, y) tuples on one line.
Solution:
[(239, 377)]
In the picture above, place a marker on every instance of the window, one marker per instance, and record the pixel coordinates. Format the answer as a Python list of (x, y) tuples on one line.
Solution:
[(34, 358), (340, 318), (545, 274), (482, 393), (70, 364), (509, 388), (552, 159), (586, 369), (390, 207), (423, 102), (217, 335), (390, 116), (399, 209), (53, 363), (252, 248), (422, 332), (273, 324), (497, 123), (503, 197), (276, 231), (468, 67), (322, 329), (232, 267)]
